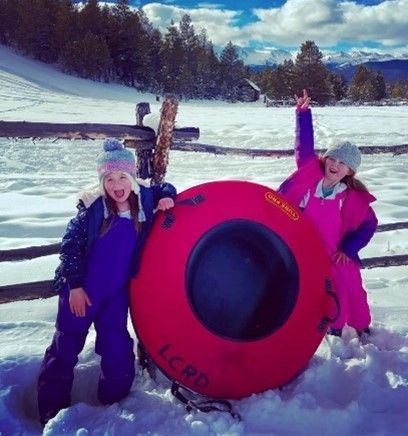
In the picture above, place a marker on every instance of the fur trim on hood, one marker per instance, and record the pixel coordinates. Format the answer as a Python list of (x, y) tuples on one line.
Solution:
[(89, 195)]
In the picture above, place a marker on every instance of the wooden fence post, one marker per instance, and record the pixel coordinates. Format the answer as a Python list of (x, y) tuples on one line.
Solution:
[(143, 155), (164, 138), (142, 109)]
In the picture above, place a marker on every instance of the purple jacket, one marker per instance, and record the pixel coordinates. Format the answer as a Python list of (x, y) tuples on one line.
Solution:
[(84, 228), (358, 218)]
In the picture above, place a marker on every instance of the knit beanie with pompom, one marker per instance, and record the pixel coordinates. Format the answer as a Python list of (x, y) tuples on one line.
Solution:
[(115, 157)]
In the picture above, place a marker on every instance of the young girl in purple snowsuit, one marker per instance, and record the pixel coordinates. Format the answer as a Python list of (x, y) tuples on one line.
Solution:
[(100, 253), (328, 193)]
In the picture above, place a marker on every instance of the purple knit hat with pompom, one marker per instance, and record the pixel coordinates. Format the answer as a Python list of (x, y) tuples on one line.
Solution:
[(115, 157)]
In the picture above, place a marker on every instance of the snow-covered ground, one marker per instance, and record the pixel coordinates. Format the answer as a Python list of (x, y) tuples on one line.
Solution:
[(347, 389)]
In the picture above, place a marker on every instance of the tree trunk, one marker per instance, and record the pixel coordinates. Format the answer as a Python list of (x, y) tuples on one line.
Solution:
[(164, 139)]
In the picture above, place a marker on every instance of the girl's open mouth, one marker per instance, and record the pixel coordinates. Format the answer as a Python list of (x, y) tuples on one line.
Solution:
[(120, 193)]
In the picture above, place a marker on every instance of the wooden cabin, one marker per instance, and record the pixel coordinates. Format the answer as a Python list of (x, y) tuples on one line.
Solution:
[(248, 91)]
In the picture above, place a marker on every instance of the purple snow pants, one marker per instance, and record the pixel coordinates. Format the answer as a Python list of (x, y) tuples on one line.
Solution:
[(106, 285)]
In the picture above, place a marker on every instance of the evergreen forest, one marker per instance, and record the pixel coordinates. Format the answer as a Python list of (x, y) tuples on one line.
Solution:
[(117, 43)]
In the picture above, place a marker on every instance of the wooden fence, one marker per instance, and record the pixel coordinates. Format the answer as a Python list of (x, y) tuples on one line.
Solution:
[(152, 149), (42, 289)]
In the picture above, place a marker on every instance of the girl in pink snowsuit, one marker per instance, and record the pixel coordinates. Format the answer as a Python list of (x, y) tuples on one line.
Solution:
[(339, 205)]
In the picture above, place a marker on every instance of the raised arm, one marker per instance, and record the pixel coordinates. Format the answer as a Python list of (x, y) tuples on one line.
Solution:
[(304, 140)]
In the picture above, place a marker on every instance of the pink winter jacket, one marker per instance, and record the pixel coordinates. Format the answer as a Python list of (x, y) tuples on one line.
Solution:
[(359, 221)]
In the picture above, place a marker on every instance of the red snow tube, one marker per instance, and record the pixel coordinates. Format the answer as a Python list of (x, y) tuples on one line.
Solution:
[(231, 297)]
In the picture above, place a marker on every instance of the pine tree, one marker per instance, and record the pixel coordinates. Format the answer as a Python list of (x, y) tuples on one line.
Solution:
[(66, 27), (261, 77), (398, 89), (173, 57), (34, 34), (232, 71), (4, 39), (380, 86), (206, 82), (154, 65), (90, 19), (10, 15), (289, 79), (151, 44), (362, 86), (277, 82), (190, 49), (88, 57), (128, 41), (312, 74), (339, 85)]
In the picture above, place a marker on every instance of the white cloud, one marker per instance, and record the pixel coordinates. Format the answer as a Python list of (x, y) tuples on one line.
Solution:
[(219, 24), (386, 23), (327, 22), (210, 5)]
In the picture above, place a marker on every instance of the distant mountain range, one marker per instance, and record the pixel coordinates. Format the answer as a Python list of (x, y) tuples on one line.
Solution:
[(345, 63), (357, 57), (392, 70)]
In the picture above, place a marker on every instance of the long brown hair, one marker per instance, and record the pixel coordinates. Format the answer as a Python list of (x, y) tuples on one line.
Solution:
[(351, 181), (113, 210)]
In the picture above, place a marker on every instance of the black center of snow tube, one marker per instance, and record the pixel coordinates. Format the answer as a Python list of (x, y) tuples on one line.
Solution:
[(242, 280)]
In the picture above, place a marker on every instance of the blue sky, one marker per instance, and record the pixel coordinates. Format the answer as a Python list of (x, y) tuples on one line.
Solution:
[(262, 26)]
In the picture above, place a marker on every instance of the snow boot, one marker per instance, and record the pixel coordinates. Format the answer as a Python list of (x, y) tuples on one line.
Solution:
[(335, 332), (363, 335), (363, 332)]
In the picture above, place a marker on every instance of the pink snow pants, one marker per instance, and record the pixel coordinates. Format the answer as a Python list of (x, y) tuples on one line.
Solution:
[(346, 279)]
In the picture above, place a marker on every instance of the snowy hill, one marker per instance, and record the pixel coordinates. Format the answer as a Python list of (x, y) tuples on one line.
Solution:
[(348, 388), (42, 74)]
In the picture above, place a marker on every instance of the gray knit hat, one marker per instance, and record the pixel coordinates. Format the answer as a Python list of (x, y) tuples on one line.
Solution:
[(345, 152)]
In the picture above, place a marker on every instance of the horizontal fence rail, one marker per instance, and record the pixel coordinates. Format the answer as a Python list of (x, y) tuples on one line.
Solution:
[(28, 253), (384, 261), (43, 289), (142, 138), (26, 291), (259, 152), (25, 129)]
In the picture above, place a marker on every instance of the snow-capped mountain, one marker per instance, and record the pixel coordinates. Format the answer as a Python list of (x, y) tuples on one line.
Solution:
[(393, 65), (340, 58), (393, 70), (278, 56), (356, 57)]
